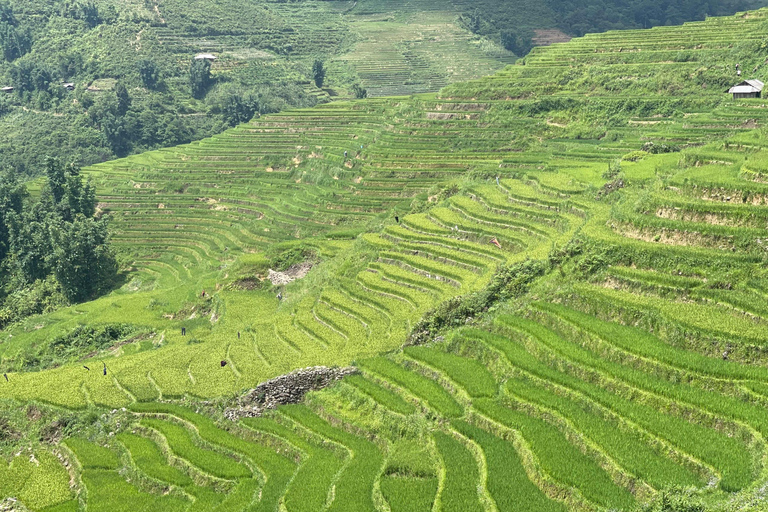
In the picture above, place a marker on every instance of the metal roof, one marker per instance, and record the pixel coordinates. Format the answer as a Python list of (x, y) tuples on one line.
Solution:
[(746, 87), (207, 56)]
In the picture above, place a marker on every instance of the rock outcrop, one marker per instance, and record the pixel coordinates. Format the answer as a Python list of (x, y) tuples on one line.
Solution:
[(286, 389)]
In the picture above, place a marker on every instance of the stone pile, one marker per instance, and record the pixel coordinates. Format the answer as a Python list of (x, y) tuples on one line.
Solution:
[(286, 389)]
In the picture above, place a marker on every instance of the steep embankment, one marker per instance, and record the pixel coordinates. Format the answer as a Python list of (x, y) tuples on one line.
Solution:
[(629, 362)]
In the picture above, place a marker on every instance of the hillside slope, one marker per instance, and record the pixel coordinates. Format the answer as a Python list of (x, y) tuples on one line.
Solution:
[(608, 346)]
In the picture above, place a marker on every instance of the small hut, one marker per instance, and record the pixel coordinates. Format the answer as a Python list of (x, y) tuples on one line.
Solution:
[(205, 56), (747, 89), (69, 86), (6, 89)]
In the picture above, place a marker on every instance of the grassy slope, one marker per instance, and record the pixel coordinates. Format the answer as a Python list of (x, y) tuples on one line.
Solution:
[(677, 254)]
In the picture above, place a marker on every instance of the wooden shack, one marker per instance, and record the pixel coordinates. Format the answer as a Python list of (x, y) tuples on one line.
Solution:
[(747, 89)]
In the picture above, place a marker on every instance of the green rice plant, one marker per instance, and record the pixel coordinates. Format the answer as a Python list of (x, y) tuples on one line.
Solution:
[(354, 486), (719, 403), (92, 456), (408, 494), (727, 454), (37, 480), (508, 483), (709, 319), (474, 210), (309, 488), (241, 497), (460, 490), (67, 506), (182, 445), (639, 342), (277, 469), (623, 445), (151, 461), (470, 374), (380, 394), (108, 491), (424, 388), (558, 457), (654, 278), (205, 498)]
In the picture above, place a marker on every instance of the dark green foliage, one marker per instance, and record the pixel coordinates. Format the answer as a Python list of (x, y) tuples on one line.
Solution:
[(359, 92), (199, 77), (12, 197), (86, 11), (84, 261), (56, 235), (149, 73), (318, 73), (239, 108), (15, 42), (518, 44), (123, 99), (508, 282)]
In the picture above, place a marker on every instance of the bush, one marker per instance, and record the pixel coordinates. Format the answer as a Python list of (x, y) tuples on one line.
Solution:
[(508, 282), (359, 92)]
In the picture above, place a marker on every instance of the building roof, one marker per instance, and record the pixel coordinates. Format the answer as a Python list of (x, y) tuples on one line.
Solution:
[(207, 56), (6, 89), (746, 87)]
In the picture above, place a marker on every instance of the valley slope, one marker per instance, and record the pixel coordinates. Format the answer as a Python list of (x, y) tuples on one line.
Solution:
[(609, 345)]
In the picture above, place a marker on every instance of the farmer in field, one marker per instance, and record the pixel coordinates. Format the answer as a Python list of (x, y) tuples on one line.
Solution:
[(397, 219), (238, 334), (223, 364), (6, 377), (105, 367), (345, 155), (86, 368), (183, 331)]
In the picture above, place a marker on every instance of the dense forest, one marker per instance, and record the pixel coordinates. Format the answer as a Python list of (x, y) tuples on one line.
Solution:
[(54, 249)]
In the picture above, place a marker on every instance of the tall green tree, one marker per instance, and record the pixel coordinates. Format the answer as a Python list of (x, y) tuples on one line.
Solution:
[(318, 73), (12, 197), (84, 263), (123, 98), (149, 73), (199, 77)]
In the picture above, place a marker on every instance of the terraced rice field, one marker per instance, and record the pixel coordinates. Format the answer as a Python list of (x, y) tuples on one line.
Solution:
[(390, 48), (634, 364)]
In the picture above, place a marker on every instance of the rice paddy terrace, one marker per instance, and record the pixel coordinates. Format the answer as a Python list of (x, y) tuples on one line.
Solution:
[(625, 357), (389, 46)]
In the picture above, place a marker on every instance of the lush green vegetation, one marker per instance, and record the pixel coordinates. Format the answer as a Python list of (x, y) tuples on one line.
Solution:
[(551, 281)]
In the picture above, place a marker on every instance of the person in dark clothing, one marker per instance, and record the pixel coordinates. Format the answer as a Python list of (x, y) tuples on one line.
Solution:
[(223, 364), (86, 368), (279, 296), (183, 331), (345, 155), (6, 377), (238, 334), (397, 219), (105, 368)]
